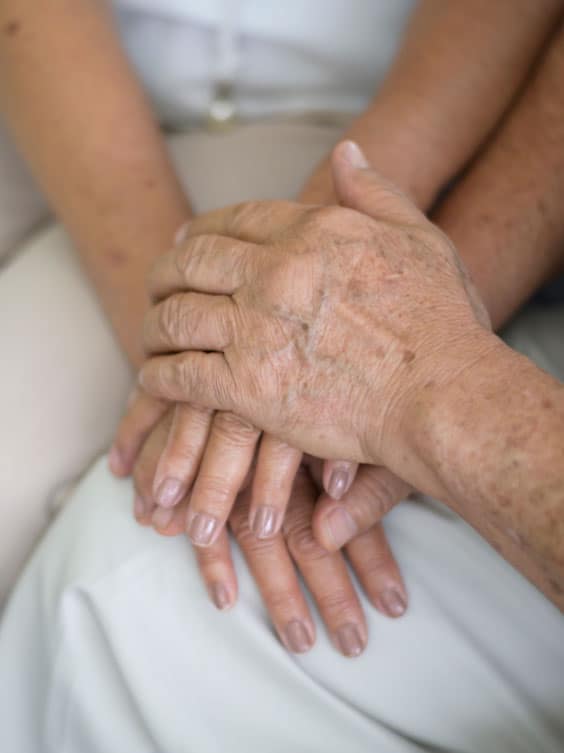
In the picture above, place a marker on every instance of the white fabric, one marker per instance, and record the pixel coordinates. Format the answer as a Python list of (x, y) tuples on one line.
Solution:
[(64, 379), (110, 644), (327, 55)]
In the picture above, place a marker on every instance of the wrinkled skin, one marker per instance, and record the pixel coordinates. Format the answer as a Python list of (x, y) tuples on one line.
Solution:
[(324, 326)]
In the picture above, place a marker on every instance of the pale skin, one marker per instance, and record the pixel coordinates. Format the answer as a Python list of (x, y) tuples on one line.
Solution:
[(343, 368)]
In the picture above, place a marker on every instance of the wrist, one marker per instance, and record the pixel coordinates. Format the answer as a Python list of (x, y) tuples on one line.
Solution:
[(434, 403)]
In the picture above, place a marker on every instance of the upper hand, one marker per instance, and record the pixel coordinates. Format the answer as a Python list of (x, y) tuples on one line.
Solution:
[(271, 560), (329, 326)]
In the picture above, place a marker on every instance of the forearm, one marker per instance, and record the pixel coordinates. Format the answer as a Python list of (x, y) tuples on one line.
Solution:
[(491, 445), (506, 216), (81, 120), (457, 70)]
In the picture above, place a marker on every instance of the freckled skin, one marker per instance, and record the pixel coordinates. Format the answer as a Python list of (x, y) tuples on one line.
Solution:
[(403, 373), (12, 28)]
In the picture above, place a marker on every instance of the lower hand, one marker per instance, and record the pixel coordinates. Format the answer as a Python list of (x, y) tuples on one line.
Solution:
[(271, 561)]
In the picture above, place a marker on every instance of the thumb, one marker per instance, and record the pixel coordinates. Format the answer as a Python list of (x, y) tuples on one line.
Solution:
[(359, 186)]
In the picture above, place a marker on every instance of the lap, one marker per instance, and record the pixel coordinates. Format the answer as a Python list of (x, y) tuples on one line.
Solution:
[(64, 378), (111, 634)]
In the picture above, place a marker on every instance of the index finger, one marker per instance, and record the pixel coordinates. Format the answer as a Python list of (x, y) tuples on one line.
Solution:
[(204, 263), (251, 221)]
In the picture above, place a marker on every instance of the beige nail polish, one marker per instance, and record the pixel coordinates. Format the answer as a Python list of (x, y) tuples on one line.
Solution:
[(201, 529), (392, 602), (296, 637), (220, 596), (162, 517), (338, 484), (169, 492), (265, 522), (349, 641)]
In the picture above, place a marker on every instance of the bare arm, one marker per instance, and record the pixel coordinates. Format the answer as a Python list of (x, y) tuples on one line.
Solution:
[(506, 215), (457, 71), (495, 444), (82, 122)]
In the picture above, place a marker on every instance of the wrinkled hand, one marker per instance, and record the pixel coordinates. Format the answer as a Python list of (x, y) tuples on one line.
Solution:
[(271, 561), (205, 462), (328, 327)]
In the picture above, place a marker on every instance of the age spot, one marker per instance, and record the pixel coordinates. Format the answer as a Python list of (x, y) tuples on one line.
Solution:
[(408, 356), (11, 28)]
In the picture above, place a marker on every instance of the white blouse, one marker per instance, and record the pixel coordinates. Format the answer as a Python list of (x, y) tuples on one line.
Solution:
[(272, 57)]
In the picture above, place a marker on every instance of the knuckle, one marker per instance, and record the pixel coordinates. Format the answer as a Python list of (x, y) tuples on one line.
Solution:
[(249, 543), (216, 490), (382, 493), (169, 322), (178, 373), (282, 601), (243, 210), (323, 218), (209, 556), (302, 544), (379, 561), (337, 601), (234, 430), (186, 256)]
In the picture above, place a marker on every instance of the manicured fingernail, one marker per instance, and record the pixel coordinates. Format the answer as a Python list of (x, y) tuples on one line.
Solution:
[(115, 461), (349, 641), (265, 522), (138, 507), (169, 492), (220, 596), (354, 155), (181, 234), (338, 484), (201, 529), (162, 516), (392, 602), (296, 637), (340, 526)]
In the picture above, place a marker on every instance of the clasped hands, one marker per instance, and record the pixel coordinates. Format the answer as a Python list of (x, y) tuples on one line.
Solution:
[(278, 329)]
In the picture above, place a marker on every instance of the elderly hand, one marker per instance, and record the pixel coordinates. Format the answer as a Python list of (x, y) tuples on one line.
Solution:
[(206, 461), (272, 561), (330, 328)]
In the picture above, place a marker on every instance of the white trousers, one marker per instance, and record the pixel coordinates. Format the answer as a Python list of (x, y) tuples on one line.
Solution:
[(109, 643), (64, 379)]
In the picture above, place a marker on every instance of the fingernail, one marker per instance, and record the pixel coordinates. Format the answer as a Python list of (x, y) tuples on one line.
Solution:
[(349, 641), (220, 596), (169, 492), (296, 637), (202, 528), (265, 522), (115, 461), (162, 517), (338, 484), (354, 155), (392, 602), (138, 507), (181, 234), (340, 526)]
